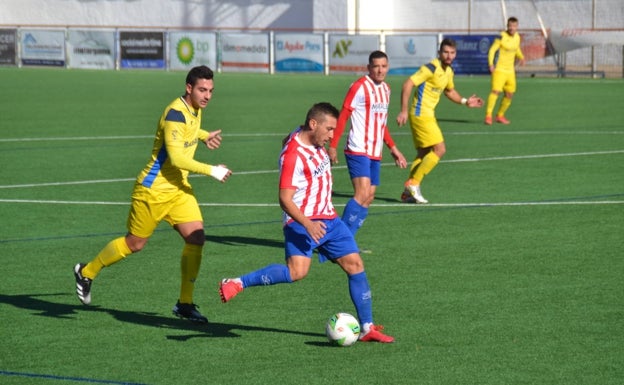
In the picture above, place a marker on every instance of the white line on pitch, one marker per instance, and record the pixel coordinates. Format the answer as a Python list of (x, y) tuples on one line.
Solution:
[(243, 135), (482, 204), (539, 156)]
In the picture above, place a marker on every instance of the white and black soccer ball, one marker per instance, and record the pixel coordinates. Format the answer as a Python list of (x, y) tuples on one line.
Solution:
[(342, 329)]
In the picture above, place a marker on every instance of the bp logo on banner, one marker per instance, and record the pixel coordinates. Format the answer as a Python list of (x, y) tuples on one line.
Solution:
[(185, 50), (190, 49)]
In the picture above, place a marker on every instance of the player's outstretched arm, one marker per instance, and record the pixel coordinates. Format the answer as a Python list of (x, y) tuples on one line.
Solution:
[(473, 101)]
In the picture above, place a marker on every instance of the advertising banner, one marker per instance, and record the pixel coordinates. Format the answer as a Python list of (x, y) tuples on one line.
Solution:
[(91, 49), (8, 43), (349, 53), (141, 49), (472, 53), (571, 39), (408, 52), (43, 47), (298, 52), (245, 52), (190, 49)]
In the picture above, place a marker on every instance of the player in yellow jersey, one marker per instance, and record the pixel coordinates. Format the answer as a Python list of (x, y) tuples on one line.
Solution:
[(504, 72), (431, 81), (162, 192)]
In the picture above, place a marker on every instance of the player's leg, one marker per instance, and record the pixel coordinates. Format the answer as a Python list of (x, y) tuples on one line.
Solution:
[(141, 225), (190, 263), (498, 80), (431, 148), (298, 247), (186, 218), (509, 89), (364, 174), (359, 287)]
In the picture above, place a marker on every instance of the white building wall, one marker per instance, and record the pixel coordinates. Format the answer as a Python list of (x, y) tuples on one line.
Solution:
[(231, 14)]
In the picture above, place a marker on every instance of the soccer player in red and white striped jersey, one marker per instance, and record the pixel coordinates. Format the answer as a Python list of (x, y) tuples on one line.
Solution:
[(311, 223), (366, 103)]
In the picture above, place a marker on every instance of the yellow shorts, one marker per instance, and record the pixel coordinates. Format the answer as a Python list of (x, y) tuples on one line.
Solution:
[(425, 131), (149, 208), (504, 81)]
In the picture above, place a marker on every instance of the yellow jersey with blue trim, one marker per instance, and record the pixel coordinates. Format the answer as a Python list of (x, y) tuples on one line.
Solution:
[(431, 80), (174, 147), (508, 48)]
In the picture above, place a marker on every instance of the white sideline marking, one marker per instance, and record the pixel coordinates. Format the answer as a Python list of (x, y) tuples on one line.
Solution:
[(493, 204), (465, 160), (395, 132)]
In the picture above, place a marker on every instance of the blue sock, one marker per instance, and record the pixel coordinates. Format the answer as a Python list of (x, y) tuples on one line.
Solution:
[(361, 297), (268, 275), (354, 215)]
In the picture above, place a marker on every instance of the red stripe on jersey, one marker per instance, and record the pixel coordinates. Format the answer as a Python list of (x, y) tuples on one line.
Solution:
[(307, 170), (369, 103)]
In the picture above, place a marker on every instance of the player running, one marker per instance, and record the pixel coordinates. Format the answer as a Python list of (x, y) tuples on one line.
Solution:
[(162, 192)]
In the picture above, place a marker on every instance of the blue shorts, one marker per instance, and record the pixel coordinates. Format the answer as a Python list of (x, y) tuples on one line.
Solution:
[(337, 242), (363, 166)]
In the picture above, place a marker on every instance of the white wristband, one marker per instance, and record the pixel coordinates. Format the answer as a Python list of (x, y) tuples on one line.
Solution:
[(218, 172), (464, 101)]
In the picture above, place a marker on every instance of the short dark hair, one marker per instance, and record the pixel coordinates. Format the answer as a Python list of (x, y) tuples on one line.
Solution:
[(199, 72), (448, 42), (319, 111), (512, 20), (376, 55)]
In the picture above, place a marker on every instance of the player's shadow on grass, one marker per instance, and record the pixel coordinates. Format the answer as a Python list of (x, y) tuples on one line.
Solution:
[(339, 194), (447, 120), (238, 240), (42, 307)]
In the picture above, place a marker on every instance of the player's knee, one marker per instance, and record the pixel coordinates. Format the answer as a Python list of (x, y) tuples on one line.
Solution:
[(197, 237), (351, 264), (297, 274), (135, 244)]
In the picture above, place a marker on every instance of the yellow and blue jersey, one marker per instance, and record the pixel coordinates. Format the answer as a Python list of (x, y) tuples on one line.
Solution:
[(431, 80), (174, 148)]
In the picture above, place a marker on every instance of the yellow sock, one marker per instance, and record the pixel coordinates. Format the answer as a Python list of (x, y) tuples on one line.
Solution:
[(505, 103), (491, 102), (414, 166), (114, 251), (189, 266), (428, 163)]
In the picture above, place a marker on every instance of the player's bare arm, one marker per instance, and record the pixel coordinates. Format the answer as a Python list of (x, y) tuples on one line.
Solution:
[(472, 102), (406, 92)]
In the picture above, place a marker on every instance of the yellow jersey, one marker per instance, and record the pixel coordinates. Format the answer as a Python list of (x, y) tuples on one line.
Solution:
[(174, 147), (508, 48), (431, 81)]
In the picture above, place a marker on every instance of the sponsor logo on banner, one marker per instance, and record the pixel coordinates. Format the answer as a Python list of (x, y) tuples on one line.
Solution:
[(142, 49), (246, 52), (190, 49), (43, 48), (299, 53), (472, 53), (8, 40), (91, 49)]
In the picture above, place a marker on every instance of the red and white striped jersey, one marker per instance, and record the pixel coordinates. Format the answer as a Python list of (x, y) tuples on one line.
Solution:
[(368, 103), (306, 169)]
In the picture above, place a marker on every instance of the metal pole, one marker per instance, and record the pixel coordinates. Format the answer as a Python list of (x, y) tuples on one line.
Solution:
[(594, 66)]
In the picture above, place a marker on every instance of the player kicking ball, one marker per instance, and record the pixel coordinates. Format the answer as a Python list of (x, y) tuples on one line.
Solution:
[(310, 221)]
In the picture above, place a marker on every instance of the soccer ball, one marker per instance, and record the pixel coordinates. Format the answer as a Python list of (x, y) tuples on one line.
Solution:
[(342, 329)]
